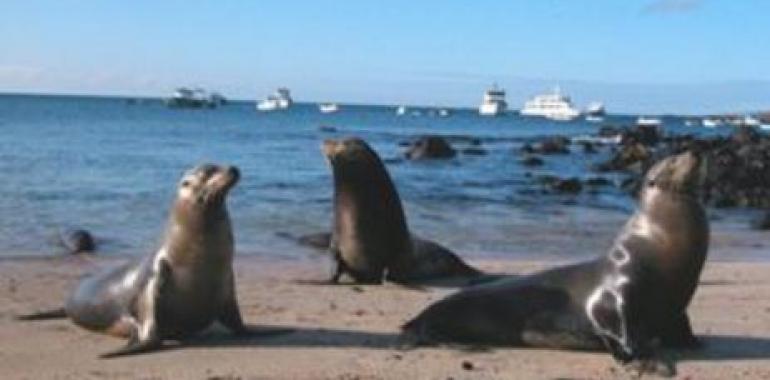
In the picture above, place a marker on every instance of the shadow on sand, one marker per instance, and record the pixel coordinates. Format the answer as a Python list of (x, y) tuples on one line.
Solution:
[(729, 347), (716, 347)]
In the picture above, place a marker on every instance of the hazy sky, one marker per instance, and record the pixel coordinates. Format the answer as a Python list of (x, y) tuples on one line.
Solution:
[(635, 55)]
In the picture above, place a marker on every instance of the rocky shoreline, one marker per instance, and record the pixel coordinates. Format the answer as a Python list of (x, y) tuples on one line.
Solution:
[(738, 165)]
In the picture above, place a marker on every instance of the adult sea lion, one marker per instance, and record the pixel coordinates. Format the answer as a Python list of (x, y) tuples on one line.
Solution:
[(178, 290), (370, 240), (636, 294)]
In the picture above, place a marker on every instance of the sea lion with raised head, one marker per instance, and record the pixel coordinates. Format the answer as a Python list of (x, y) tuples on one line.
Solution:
[(178, 290), (625, 301), (370, 239)]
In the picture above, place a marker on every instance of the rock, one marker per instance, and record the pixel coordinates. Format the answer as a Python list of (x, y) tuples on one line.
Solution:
[(527, 148), (530, 160), (571, 185), (430, 147), (553, 145), (588, 148), (77, 241), (559, 185), (609, 131), (627, 156), (646, 135), (598, 182), (474, 151), (745, 135)]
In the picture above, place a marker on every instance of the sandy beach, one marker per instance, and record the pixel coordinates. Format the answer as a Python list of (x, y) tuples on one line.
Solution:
[(350, 332)]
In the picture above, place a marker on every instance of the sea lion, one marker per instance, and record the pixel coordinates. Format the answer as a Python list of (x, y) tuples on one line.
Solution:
[(370, 239), (623, 302), (178, 290)]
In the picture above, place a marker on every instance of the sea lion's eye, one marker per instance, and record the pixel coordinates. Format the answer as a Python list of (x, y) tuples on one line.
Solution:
[(185, 183)]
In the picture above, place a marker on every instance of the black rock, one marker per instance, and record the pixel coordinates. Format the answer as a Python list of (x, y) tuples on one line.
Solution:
[(571, 185), (532, 161), (598, 182), (430, 147), (474, 151), (77, 241)]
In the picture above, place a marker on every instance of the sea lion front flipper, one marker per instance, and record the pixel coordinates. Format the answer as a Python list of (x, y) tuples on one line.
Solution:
[(678, 334), (231, 313), (145, 336)]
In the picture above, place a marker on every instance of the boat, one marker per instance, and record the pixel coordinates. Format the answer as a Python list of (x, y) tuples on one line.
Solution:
[(554, 106), (184, 97), (595, 112), (401, 110), (493, 103), (443, 112), (279, 100), (710, 122), (750, 121), (764, 127), (328, 107), (691, 122), (646, 121)]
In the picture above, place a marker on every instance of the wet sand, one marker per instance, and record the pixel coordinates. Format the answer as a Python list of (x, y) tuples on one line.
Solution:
[(350, 332)]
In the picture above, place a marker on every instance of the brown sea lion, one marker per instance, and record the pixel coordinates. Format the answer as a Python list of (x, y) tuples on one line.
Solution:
[(625, 301), (178, 290), (370, 239)]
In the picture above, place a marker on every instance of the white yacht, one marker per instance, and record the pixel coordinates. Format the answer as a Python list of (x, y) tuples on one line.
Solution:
[(595, 112), (554, 106), (401, 110), (493, 103), (646, 121), (279, 100), (443, 112), (711, 122), (328, 107), (750, 121), (185, 97)]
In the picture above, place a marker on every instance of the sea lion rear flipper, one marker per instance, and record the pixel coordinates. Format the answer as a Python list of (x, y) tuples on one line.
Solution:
[(134, 346), (145, 336)]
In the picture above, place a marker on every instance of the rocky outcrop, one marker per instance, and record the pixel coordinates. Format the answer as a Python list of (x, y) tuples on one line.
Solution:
[(430, 147)]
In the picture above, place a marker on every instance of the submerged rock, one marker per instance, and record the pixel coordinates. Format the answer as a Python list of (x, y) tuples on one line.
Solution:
[(530, 160), (77, 241), (475, 151)]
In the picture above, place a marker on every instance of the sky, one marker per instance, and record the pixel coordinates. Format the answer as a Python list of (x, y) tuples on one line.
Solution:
[(644, 56)]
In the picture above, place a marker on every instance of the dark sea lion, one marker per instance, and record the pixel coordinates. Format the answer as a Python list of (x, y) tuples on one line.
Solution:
[(623, 302), (77, 240), (370, 239), (178, 290)]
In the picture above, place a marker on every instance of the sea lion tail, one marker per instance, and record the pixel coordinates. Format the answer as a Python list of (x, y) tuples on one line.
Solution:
[(43, 315)]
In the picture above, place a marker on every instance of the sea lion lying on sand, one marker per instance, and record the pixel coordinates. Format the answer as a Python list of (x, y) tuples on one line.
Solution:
[(623, 302)]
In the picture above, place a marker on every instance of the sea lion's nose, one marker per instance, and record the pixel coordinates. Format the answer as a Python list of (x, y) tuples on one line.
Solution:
[(234, 173)]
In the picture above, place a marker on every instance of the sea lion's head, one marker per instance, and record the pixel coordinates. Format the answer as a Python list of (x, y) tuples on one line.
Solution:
[(347, 151), (682, 174), (206, 184)]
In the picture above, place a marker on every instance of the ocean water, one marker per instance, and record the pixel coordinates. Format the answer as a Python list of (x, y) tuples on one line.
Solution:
[(111, 167)]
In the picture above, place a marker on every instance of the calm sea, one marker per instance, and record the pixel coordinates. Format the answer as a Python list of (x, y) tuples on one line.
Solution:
[(111, 167)]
